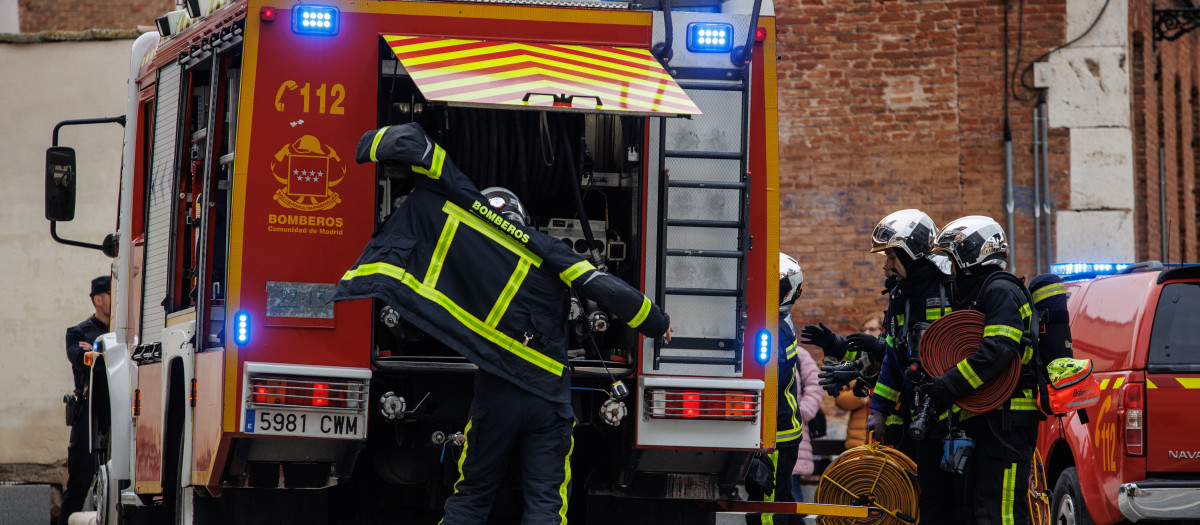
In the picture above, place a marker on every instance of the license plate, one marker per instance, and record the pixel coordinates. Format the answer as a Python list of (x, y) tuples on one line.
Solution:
[(305, 423)]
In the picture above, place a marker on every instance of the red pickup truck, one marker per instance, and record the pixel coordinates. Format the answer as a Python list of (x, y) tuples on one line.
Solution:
[(1139, 456)]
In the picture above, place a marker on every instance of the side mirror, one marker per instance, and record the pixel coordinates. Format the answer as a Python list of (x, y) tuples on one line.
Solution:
[(60, 183)]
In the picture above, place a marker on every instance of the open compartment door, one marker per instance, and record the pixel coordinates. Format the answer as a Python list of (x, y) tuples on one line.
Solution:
[(520, 75)]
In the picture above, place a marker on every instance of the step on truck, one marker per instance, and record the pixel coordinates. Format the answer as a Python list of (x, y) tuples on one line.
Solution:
[(231, 390)]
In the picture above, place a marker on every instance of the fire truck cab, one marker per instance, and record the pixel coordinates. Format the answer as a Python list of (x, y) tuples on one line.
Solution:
[(645, 137)]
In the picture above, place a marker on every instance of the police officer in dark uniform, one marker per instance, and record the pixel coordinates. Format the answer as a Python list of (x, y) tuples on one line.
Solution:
[(996, 475), (467, 269), (81, 463)]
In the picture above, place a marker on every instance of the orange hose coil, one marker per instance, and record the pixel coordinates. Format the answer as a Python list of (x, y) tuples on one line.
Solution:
[(872, 475), (955, 337)]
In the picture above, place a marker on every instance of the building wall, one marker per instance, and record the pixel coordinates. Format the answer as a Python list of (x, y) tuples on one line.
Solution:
[(72, 15), (47, 283), (892, 105), (1166, 114)]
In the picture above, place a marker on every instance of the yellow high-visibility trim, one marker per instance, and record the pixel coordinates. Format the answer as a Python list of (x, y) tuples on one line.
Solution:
[(375, 142), (1019, 403), (576, 271), (471, 322), (642, 313), (439, 252), (1149, 384), (562, 489), (784, 436), (435, 167), (510, 290), (1026, 312), (1008, 494), (900, 319), (935, 313), (1103, 383), (463, 457), (491, 232), (1027, 356), (969, 374), (886, 392), (1118, 382), (1002, 330), (790, 351), (1048, 291), (894, 419), (1188, 382)]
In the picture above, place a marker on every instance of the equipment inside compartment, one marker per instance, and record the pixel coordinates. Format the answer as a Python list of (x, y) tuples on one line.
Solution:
[(551, 160)]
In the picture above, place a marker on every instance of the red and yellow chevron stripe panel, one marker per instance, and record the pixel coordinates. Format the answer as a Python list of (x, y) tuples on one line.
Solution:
[(582, 78)]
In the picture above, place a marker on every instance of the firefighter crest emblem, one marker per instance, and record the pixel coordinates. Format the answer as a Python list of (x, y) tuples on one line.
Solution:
[(308, 171)]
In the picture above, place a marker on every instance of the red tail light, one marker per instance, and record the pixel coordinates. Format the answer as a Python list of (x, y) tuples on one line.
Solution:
[(320, 395), (1131, 410), (702, 404), (691, 405), (260, 394)]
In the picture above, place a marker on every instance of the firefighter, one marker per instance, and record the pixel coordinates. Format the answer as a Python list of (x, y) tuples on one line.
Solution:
[(81, 463), (995, 477), (914, 282), (789, 425), (468, 270)]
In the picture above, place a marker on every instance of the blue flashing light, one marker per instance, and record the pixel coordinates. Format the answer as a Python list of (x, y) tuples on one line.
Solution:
[(321, 20), (708, 37), (763, 347), (241, 328), (1088, 270)]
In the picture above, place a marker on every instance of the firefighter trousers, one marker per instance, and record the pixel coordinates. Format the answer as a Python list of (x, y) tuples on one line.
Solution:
[(506, 422), (994, 486), (784, 459)]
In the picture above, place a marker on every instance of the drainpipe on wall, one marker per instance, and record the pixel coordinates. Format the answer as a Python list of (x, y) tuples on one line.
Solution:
[(1037, 193), (1008, 197), (1162, 202), (1047, 200)]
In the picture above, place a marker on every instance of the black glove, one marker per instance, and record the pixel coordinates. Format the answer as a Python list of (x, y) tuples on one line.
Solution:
[(835, 377), (822, 337), (760, 474), (861, 388), (866, 345), (939, 391)]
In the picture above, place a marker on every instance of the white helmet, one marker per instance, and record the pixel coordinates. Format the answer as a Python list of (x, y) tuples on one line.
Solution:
[(791, 276), (973, 241), (910, 230)]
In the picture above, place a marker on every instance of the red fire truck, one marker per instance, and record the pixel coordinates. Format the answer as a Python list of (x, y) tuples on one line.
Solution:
[(231, 390)]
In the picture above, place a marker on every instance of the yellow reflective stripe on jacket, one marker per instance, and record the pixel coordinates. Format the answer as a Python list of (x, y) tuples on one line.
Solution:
[(790, 351), (1027, 356), (1025, 402), (439, 251), (1048, 291), (642, 313), (510, 290), (784, 436), (375, 142), (969, 374), (894, 419), (490, 232), (792, 432), (1002, 329), (576, 270), (471, 322), (900, 319), (886, 392), (435, 167), (935, 313), (1025, 311)]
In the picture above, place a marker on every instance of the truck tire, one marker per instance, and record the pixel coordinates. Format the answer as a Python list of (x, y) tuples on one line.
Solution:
[(1066, 506)]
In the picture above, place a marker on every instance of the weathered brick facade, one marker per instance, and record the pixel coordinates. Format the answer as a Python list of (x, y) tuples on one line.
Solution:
[(892, 104), (75, 15)]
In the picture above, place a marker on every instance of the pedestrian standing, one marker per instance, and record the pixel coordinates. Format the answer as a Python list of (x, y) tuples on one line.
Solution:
[(81, 463)]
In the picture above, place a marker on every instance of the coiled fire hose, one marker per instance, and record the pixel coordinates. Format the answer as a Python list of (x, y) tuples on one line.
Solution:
[(953, 338), (871, 475)]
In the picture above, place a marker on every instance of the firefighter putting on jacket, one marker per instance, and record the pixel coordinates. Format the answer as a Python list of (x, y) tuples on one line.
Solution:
[(467, 269), (995, 475), (789, 426)]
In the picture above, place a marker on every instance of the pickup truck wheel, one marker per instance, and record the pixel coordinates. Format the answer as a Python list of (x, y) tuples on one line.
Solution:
[(1067, 506)]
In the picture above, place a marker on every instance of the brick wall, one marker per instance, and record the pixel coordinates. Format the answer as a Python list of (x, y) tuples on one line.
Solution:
[(891, 104), (74, 15), (1166, 77)]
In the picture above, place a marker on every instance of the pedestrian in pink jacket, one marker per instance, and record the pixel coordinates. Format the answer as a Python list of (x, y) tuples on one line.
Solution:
[(809, 403)]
